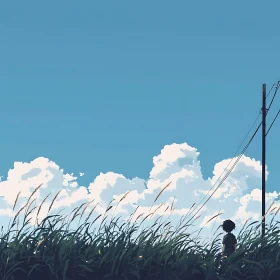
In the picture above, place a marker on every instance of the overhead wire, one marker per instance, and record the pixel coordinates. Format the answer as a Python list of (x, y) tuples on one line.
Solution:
[(234, 154), (273, 122), (237, 151), (276, 89), (228, 173), (270, 90)]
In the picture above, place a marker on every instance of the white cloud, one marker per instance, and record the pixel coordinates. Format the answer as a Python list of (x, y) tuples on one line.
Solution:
[(238, 197), (68, 180)]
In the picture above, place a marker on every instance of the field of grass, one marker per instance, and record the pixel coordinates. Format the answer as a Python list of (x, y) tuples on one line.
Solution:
[(125, 250)]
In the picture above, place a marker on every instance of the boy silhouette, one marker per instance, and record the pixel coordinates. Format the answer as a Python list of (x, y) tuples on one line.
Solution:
[(229, 240)]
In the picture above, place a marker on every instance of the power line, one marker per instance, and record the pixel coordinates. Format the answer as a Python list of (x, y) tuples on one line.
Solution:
[(270, 90), (230, 160), (273, 122), (228, 163), (228, 173), (277, 86), (276, 89)]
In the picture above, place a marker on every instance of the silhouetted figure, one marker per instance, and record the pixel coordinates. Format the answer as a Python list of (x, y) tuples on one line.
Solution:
[(229, 240)]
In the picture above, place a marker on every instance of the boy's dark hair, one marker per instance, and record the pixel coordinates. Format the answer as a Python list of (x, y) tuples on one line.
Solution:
[(228, 225)]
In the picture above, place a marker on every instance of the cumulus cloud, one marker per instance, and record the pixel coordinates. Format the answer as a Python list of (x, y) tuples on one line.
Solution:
[(176, 175)]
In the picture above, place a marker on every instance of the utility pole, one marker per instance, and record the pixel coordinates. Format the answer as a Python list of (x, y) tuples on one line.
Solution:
[(264, 111)]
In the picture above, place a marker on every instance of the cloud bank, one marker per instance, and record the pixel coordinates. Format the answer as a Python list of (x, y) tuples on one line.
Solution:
[(239, 197)]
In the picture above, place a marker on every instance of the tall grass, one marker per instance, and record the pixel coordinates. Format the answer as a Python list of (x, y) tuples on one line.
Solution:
[(117, 249)]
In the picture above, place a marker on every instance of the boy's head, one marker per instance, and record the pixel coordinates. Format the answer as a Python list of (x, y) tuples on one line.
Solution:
[(228, 225)]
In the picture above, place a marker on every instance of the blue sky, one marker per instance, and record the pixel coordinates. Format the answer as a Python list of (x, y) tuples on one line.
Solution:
[(104, 86)]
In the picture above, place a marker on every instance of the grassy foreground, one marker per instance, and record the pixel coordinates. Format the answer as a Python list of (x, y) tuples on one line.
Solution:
[(125, 250)]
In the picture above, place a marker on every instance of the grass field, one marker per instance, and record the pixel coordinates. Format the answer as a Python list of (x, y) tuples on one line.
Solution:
[(116, 249)]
